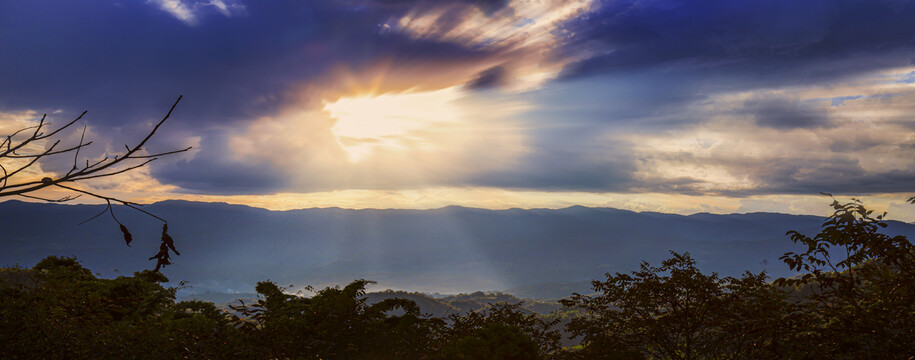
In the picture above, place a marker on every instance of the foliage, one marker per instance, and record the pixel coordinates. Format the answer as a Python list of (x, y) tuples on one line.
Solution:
[(59, 309), (861, 303), (70, 313), (674, 311), (334, 324), (493, 341), (502, 331), (855, 300)]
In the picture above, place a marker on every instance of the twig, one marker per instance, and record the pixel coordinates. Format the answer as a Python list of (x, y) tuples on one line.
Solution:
[(90, 171), (103, 167)]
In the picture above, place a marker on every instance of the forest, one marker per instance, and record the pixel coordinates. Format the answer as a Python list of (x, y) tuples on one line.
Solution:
[(854, 300)]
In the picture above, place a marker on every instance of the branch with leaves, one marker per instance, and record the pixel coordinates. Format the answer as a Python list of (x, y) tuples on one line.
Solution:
[(16, 147)]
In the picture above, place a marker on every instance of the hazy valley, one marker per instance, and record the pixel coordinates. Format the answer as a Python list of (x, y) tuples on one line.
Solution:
[(536, 253)]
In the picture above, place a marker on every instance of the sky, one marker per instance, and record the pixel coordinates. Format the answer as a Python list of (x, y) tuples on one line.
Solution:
[(649, 105)]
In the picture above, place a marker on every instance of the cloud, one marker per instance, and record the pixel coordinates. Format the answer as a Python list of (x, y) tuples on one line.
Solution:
[(676, 97), (227, 9), (488, 7), (840, 100), (132, 61), (785, 113), (519, 33), (190, 12), (908, 78), (784, 41), (428, 138), (864, 149), (493, 77), (128, 67), (178, 9), (211, 171)]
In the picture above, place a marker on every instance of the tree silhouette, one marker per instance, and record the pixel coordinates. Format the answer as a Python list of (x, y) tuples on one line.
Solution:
[(18, 153), (674, 311), (501, 331), (861, 301)]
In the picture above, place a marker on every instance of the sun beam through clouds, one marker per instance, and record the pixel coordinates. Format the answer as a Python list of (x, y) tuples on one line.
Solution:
[(558, 102), (364, 123)]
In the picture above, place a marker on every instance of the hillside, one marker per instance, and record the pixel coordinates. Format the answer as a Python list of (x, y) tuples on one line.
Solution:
[(539, 253)]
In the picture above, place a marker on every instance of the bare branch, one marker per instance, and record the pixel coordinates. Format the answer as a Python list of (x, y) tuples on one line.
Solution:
[(108, 199), (27, 156), (90, 171), (97, 215), (113, 173), (39, 137), (76, 156), (103, 197), (63, 199), (134, 206), (35, 159), (9, 138), (5, 177), (162, 154), (16, 146), (10, 149)]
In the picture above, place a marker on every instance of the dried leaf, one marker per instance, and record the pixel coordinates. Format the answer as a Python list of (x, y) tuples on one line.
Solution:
[(127, 237), (167, 240)]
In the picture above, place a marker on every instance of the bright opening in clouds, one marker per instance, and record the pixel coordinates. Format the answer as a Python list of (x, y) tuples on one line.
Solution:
[(391, 120)]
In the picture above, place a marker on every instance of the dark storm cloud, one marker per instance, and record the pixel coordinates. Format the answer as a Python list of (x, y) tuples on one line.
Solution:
[(837, 173), (788, 176), (213, 172), (659, 66), (785, 113), (853, 145), (125, 62), (838, 177), (570, 157), (641, 67), (630, 102), (493, 77), (565, 170), (769, 41), (488, 7)]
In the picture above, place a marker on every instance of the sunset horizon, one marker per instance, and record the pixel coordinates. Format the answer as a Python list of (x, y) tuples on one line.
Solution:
[(512, 104)]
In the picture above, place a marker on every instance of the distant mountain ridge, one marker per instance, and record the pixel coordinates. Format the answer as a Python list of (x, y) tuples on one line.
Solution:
[(436, 306), (228, 248)]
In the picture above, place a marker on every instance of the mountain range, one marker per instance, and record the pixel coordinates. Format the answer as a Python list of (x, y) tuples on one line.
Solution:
[(535, 253)]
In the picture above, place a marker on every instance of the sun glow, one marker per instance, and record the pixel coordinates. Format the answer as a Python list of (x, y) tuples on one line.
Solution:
[(365, 123)]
